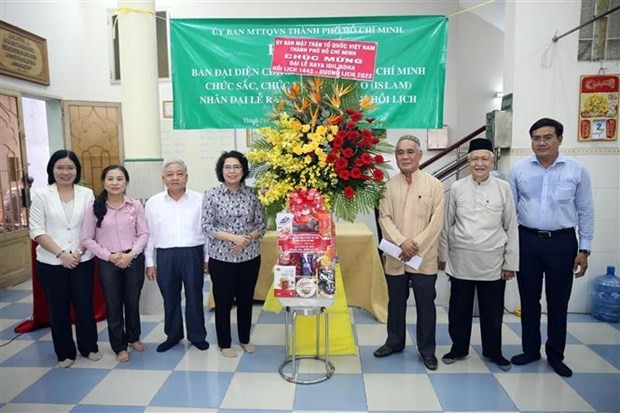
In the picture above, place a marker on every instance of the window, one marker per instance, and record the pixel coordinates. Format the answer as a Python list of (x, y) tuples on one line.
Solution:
[(599, 40), (161, 27)]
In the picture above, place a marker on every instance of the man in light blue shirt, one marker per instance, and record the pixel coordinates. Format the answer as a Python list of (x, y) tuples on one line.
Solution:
[(553, 197)]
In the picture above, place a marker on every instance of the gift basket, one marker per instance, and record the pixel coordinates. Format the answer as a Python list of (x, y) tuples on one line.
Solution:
[(304, 275)]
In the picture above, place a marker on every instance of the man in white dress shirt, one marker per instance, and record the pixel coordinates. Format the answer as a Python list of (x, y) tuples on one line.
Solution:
[(177, 246)]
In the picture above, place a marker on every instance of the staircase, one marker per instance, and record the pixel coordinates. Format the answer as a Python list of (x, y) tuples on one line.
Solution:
[(454, 167)]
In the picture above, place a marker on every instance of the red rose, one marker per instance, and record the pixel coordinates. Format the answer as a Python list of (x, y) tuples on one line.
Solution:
[(341, 134), (347, 152), (337, 142), (378, 159), (374, 140), (356, 116), (344, 174), (356, 173), (330, 158), (366, 143), (367, 133), (354, 135), (350, 125), (359, 162), (338, 120), (349, 192), (366, 158), (350, 111), (378, 175), (341, 163)]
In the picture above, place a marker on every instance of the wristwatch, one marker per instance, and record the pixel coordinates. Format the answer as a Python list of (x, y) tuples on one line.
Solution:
[(587, 252)]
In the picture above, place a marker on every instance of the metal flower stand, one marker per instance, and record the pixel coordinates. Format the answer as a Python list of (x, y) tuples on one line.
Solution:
[(290, 324)]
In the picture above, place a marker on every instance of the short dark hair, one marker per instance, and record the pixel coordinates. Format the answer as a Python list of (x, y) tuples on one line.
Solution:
[(61, 154), (219, 166), (541, 123)]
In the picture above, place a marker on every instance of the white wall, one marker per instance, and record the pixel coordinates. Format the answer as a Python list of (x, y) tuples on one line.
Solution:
[(79, 45), (545, 79), (480, 64)]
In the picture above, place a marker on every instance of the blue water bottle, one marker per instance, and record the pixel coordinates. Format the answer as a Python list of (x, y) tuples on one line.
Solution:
[(606, 296)]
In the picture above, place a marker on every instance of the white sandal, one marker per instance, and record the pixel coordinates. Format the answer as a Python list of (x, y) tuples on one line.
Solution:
[(228, 352), (248, 348), (65, 364)]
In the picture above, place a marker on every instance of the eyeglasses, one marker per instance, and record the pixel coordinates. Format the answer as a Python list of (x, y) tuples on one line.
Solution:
[(543, 138), (232, 167), (482, 159), (64, 168)]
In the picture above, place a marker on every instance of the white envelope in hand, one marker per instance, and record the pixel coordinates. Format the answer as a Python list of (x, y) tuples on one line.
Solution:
[(394, 250)]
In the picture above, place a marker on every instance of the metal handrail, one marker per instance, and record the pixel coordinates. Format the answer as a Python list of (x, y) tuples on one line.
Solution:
[(454, 146), (555, 38), (451, 169)]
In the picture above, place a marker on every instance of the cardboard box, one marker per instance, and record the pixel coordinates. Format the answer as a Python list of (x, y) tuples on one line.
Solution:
[(284, 224), (284, 281)]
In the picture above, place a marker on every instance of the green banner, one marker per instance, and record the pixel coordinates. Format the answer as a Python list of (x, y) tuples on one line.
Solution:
[(221, 75)]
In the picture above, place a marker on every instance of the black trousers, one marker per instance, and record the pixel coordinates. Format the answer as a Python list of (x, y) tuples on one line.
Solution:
[(121, 291), (424, 293), (460, 312), (64, 287), (233, 282), (554, 257), (182, 268)]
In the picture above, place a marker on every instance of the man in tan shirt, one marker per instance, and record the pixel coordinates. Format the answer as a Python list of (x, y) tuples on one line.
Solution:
[(411, 216)]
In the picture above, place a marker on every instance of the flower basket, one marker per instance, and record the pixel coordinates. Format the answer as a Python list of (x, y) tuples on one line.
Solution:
[(318, 140)]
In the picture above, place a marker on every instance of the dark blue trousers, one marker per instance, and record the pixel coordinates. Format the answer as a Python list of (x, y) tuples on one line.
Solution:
[(552, 258), (121, 290), (64, 287), (182, 268), (424, 293)]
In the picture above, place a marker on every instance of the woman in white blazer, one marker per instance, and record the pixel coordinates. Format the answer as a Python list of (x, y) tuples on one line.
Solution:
[(64, 268)]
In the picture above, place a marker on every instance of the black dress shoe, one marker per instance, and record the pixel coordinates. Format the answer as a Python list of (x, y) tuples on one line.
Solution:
[(559, 367), (430, 362), (524, 358), (201, 345), (501, 362), (385, 351), (451, 358), (167, 345)]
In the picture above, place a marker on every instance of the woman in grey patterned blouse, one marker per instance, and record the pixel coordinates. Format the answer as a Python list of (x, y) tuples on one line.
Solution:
[(232, 220)]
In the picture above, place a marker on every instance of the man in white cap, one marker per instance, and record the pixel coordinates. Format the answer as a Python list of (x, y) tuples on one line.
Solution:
[(479, 250)]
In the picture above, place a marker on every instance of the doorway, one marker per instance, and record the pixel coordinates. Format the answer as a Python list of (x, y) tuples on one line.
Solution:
[(93, 131), (15, 265)]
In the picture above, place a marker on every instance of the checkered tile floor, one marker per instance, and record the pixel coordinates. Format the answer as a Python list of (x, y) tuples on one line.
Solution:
[(187, 380)]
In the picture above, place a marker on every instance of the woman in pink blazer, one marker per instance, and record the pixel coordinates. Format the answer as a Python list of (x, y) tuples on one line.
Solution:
[(115, 230)]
